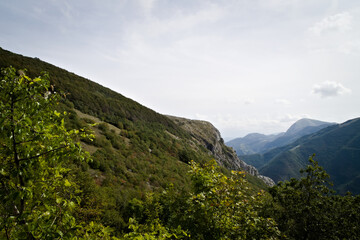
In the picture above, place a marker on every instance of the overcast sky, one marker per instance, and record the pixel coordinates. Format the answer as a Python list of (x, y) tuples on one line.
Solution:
[(244, 65)]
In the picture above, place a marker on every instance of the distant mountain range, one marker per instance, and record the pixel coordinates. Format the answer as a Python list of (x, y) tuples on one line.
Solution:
[(259, 143), (337, 149)]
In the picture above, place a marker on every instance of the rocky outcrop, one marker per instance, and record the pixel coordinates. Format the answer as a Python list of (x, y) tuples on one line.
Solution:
[(205, 134), (268, 181)]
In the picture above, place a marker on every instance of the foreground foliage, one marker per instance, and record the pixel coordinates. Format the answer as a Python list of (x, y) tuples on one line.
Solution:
[(217, 207), (38, 196), (307, 208), (222, 207)]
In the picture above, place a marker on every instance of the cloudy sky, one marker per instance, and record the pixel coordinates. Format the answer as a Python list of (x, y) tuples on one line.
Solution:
[(244, 65)]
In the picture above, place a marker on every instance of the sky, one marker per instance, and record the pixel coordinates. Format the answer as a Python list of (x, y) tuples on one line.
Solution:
[(244, 65)]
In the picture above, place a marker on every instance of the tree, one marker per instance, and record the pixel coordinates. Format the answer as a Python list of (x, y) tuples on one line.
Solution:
[(307, 208), (224, 207), (37, 193), (218, 207)]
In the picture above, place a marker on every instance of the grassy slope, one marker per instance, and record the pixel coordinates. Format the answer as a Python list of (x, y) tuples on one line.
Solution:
[(135, 150)]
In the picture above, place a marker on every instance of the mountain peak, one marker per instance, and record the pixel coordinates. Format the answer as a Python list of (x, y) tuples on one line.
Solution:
[(302, 124)]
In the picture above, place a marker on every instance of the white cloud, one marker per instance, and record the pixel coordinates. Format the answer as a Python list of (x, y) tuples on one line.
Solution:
[(290, 118), (178, 23), (249, 101), (330, 89), (350, 47), (207, 57), (147, 6), (283, 101), (338, 22), (200, 116)]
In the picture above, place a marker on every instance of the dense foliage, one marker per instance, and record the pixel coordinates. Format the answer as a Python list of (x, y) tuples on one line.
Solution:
[(307, 208), (216, 207), (221, 207), (38, 195)]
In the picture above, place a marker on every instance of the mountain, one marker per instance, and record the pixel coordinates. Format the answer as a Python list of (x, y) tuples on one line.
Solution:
[(259, 143), (300, 128), (302, 124), (337, 149), (136, 150), (252, 143), (96, 101)]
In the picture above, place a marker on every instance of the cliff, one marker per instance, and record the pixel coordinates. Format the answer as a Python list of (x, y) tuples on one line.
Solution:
[(205, 134)]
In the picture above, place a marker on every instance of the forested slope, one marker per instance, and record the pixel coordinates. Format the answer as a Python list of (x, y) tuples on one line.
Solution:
[(135, 150)]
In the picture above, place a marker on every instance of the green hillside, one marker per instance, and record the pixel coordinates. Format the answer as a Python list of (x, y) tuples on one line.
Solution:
[(337, 149), (136, 150), (87, 96)]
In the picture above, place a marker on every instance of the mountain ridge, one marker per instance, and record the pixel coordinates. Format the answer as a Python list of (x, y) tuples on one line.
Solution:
[(337, 149), (254, 143)]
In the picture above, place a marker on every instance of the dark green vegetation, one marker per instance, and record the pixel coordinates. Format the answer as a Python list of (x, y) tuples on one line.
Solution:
[(308, 209), (139, 184)]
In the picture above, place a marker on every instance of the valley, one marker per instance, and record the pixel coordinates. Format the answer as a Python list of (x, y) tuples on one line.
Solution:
[(335, 146)]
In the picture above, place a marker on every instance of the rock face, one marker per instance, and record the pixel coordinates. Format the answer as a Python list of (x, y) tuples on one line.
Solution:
[(205, 134)]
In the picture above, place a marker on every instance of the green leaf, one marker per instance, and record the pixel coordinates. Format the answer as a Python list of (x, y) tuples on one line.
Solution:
[(67, 183)]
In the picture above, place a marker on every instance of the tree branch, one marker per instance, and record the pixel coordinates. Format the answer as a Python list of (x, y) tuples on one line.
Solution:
[(42, 154)]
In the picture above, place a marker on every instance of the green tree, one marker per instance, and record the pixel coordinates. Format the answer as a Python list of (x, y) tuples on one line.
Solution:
[(307, 208), (218, 207), (37, 193), (224, 207)]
